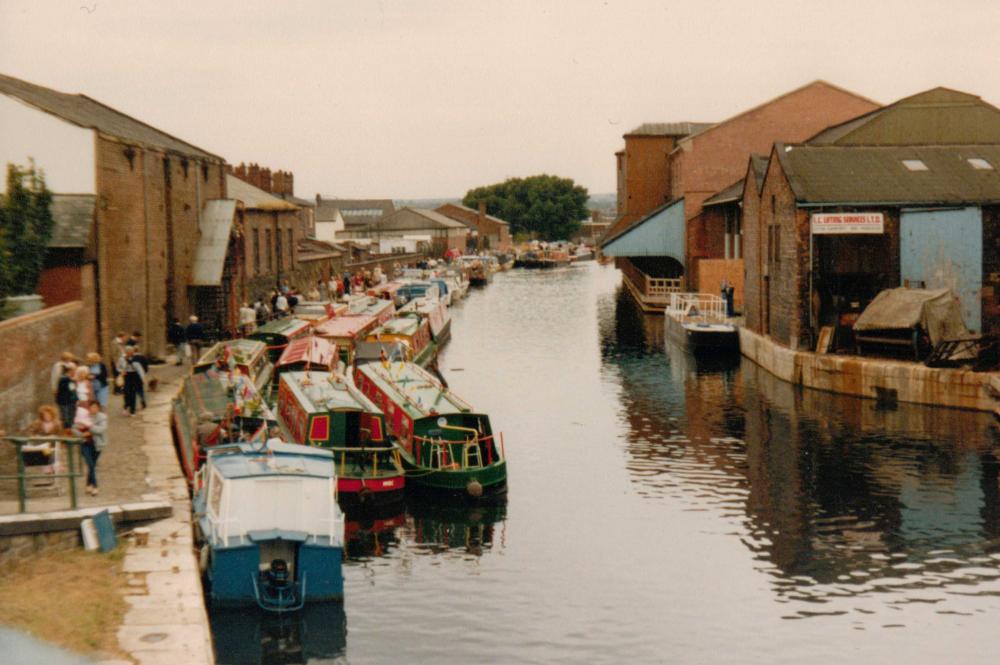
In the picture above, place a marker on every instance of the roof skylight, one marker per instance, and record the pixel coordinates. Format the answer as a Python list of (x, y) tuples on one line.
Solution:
[(914, 165), (979, 164)]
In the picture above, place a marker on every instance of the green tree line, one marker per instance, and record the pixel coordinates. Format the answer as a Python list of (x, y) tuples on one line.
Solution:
[(546, 207)]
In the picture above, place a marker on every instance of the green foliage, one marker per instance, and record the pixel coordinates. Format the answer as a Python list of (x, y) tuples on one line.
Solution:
[(546, 206), (25, 229)]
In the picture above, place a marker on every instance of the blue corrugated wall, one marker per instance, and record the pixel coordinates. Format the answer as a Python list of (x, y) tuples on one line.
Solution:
[(660, 234), (944, 249)]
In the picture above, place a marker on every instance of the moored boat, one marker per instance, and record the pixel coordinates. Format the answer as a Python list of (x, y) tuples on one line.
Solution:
[(345, 332), (325, 410), (407, 337), (269, 526), (307, 353), (278, 333), (248, 355), (476, 268), (446, 447)]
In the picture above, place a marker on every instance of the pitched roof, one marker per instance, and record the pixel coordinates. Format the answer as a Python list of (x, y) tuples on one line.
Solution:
[(311, 249), (86, 112), (938, 116), (442, 209), (254, 198), (356, 212), (668, 128), (877, 174), (73, 215), (813, 84), (406, 219), (734, 192)]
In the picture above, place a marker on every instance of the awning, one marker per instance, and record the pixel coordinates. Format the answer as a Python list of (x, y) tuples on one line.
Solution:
[(661, 233), (210, 255)]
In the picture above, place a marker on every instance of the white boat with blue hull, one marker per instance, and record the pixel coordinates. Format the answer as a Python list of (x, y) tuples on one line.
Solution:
[(271, 531)]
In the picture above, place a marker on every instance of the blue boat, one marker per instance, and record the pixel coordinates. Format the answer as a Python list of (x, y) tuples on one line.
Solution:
[(271, 531)]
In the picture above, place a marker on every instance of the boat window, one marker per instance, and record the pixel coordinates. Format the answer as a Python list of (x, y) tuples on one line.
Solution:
[(320, 430)]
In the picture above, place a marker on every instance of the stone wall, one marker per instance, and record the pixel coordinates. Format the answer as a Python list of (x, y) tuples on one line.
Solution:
[(15, 548), (32, 343)]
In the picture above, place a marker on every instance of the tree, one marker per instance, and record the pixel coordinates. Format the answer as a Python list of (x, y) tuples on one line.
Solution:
[(546, 206), (25, 229)]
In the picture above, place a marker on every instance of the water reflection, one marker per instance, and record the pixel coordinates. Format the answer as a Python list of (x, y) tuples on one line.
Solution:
[(842, 501), (473, 530), (316, 634), (373, 537)]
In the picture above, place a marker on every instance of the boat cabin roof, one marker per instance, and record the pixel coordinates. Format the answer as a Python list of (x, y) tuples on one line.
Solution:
[(287, 326), (415, 389), (381, 289), (244, 351), (310, 349), (368, 305), (321, 392), (345, 326), (248, 460), (404, 326)]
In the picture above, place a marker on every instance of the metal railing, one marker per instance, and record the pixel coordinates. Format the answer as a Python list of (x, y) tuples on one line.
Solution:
[(22, 476), (701, 307)]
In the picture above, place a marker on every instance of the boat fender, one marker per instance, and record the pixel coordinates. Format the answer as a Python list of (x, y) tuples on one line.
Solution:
[(203, 558), (474, 488)]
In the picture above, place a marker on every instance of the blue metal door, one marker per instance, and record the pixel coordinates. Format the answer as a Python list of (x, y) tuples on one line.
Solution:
[(944, 249)]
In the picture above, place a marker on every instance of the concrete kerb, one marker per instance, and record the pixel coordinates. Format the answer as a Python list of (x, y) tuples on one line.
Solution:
[(166, 621)]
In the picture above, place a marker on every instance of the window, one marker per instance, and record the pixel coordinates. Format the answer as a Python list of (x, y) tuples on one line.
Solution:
[(914, 165), (291, 250), (979, 164), (267, 248), (256, 251), (774, 243), (277, 249)]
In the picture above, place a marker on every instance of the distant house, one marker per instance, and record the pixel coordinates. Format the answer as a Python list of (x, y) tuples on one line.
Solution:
[(445, 233), (69, 270), (150, 189), (488, 232), (330, 224), (358, 214)]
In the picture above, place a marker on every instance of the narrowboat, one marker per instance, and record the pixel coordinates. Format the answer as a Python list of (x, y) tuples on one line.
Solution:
[(385, 291), (212, 408), (457, 283), (345, 332), (325, 410), (269, 526), (436, 314), (543, 258), (406, 337), (249, 355), (306, 353), (318, 311), (446, 447), (278, 333), (382, 310), (478, 271), (414, 289)]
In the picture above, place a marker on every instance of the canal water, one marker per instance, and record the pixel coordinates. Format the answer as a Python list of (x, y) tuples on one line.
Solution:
[(665, 511)]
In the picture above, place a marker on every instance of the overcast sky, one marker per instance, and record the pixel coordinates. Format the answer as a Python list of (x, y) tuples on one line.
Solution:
[(428, 99)]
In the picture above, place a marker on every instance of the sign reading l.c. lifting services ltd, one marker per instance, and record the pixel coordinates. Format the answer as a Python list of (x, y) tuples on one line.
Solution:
[(844, 223)]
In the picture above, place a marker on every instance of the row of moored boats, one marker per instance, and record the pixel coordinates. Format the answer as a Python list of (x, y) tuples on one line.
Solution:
[(338, 409)]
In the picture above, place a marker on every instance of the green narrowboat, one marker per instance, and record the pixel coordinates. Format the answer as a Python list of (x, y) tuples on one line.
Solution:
[(322, 409), (278, 333), (446, 447), (248, 355)]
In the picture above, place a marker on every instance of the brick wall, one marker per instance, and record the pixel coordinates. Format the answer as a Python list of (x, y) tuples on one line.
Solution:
[(32, 344), (147, 220), (647, 174), (713, 272), (753, 277), (257, 224)]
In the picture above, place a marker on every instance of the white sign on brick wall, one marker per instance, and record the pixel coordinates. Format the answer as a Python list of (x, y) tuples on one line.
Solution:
[(844, 223)]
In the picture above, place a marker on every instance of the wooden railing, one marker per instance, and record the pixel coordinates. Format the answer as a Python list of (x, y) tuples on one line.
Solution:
[(659, 289)]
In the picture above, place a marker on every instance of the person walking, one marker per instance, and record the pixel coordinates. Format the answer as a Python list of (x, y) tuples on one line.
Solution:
[(94, 431), (175, 337), (248, 319), (99, 378), (194, 336), (131, 370), (66, 396), (65, 359)]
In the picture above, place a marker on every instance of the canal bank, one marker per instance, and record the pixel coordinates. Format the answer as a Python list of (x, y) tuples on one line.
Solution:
[(873, 378)]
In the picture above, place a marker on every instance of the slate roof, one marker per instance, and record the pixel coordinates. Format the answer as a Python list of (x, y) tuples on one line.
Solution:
[(734, 192), (669, 128), (73, 215), (406, 219), (939, 116), (86, 112), (254, 198), (443, 208), (356, 212), (877, 174)]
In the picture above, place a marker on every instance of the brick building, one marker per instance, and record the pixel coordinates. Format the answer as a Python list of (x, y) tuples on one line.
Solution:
[(358, 215), (445, 233), (282, 185), (150, 189), (908, 195), (706, 162), (486, 231)]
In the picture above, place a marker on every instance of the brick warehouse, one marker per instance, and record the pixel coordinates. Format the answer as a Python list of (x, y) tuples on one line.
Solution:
[(702, 164), (490, 232), (924, 171), (151, 189)]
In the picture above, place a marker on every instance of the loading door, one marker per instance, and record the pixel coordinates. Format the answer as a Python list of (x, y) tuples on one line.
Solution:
[(944, 249)]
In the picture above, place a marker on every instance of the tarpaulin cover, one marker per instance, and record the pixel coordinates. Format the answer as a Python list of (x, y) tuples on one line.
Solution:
[(937, 311)]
